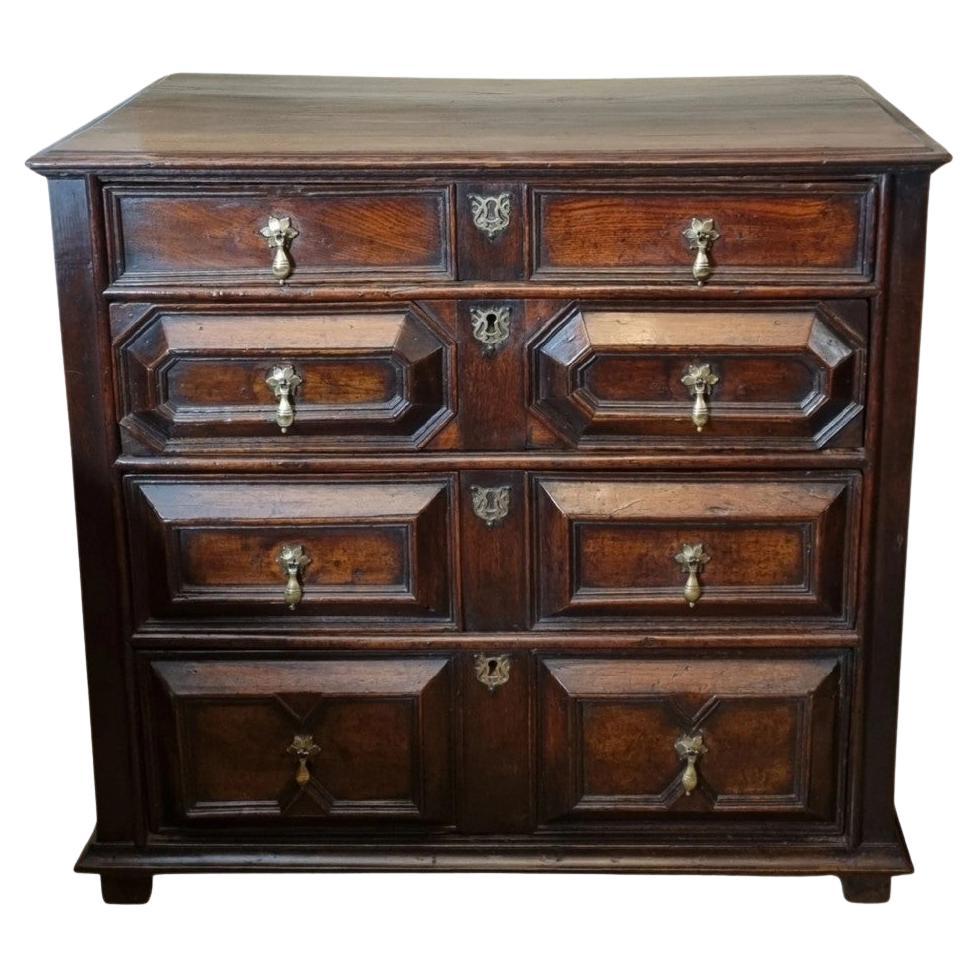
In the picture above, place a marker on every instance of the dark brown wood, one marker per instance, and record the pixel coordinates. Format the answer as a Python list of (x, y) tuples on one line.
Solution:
[(159, 235), (787, 377), (495, 783), (380, 553), (79, 259), (605, 550), (381, 728), (767, 234), (194, 378), (494, 581), (127, 887), (608, 732), (226, 120), (865, 887), (493, 689)]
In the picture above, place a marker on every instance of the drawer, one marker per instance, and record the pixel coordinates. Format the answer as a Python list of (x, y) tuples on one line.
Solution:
[(694, 548), (637, 739), (764, 377), (280, 378), (770, 233), (337, 741), (170, 235), (242, 553)]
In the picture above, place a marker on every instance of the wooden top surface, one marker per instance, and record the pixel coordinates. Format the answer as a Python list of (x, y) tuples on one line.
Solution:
[(264, 120)]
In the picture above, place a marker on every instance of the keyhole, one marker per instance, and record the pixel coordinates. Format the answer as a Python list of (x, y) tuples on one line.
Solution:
[(492, 664), (491, 323), (491, 210)]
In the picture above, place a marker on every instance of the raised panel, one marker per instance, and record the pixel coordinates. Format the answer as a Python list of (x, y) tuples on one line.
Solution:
[(778, 548), (380, 743), (768, 232), (769, 732), (193, 379), (168, 234), (788, 377), (380, 553)]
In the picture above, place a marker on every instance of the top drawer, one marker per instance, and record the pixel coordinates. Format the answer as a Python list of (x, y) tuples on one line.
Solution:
[(761, 233), (171, 235)]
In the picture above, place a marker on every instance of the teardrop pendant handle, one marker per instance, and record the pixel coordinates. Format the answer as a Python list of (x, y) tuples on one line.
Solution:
[(304, 747), (700, 380), (279, 233), (692, 558), (690, 748), (283, 381), (700, 236), (293, 561)]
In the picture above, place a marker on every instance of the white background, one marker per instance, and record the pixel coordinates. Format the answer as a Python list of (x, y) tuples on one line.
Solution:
[(64, 64)]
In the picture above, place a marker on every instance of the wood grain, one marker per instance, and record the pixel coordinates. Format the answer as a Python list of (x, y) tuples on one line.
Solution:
[(200, 677), (221, 120)]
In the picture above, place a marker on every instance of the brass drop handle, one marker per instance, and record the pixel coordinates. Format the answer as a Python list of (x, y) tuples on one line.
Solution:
[(700, 236), (692, 558), (283, 381), (278, 233), (304, 747), (700, 381), (293, 561), (690, 748)]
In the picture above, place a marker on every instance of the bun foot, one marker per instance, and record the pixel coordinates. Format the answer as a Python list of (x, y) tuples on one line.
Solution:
[(127, 887), (865, 887)]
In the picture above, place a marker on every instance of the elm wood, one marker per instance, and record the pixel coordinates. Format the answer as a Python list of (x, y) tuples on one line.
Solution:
[(127, 887), (781, 549), (192, 378), (500, 258), (245, 121), (162, 235), (608, 730), (789, 377), (865, 887), (767, 233), (384, 729), (208, 551)]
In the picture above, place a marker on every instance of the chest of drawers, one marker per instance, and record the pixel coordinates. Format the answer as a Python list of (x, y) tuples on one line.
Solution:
[(493, 475)]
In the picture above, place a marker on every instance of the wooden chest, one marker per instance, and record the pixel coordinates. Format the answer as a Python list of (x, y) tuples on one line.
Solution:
[(493, 475)]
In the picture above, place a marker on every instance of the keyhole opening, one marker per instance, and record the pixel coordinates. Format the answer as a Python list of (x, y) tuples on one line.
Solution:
[(491, 665), (491, 322)]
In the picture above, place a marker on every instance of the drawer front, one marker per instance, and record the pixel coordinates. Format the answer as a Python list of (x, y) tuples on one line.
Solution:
[(627, 551), (769, 233), (248, 552), (333, 741), (281, 378), (164, 235), (640, 739), (766, 378)]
